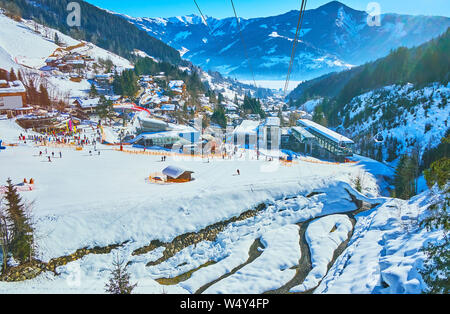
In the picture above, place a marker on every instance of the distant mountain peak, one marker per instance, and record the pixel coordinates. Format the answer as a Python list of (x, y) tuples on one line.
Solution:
[(334, 6), (333, 37)]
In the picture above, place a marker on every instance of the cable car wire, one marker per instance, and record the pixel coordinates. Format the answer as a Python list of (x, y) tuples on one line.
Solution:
[(243, 43), (203, 17), (294, 45)]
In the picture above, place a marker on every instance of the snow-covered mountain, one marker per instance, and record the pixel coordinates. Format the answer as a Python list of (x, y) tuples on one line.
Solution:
[(334, 37), (25, 45)]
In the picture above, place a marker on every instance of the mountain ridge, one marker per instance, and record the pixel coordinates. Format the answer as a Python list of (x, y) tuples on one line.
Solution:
[(334, 37)]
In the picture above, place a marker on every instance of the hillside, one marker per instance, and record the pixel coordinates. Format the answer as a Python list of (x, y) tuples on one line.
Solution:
[(98, 26), (335, 37), (408, 117), (26, 45), (426, 63), (402, 97)]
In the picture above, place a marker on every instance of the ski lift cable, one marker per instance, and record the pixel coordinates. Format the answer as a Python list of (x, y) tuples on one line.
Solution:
[(243, 43), (294, 45), (245, 52), (203, 17), (295, 39), (242, 39), (297, 36), (295, 42)]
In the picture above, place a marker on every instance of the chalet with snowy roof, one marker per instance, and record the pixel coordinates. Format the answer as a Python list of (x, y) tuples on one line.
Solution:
[(13, 96), (178, 87), (104, 79), (177, 175), (168, 108), (52, 61), (87, 105)]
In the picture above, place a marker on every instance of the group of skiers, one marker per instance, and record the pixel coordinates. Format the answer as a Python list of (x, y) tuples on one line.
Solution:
[(49, 157)]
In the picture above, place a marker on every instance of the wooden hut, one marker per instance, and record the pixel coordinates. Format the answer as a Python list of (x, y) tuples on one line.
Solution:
[(178, 175)]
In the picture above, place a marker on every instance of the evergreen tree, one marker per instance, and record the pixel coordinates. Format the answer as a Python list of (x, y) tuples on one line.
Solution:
[(4, 75), (436, 270), (104, 108), (12, 75), (379, 156), (119, 283), (93, 91), (5, 235), (56, 38), (219, 116), (220, 98), (32, 93), (253, 105), (22, 230), (19, 76), (405, 177), (439, 173), (44, 99)]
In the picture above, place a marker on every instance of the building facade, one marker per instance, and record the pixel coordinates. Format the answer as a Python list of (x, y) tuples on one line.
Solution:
[(13, 96)]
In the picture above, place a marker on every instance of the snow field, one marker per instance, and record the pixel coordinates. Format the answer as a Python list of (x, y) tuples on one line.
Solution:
[(323, 235)]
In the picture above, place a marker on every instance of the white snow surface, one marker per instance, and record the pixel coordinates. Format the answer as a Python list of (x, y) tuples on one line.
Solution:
[(323, 241), (271, 270), (87, 201), (384, 255)]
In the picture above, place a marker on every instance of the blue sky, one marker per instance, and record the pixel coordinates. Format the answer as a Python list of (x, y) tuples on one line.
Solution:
[(261, 8)]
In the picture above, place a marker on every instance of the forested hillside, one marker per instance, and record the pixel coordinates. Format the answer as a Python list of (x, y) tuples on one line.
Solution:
[(427, 63), (98, 26), (127, 82)]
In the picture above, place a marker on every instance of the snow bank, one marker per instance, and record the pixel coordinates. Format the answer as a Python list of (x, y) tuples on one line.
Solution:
[(271, 270), (384, 254)]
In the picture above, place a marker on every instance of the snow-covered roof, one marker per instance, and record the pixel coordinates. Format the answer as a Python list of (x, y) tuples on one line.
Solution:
[(165, 98), (88, 103), (273, 121), (246, 127), (168, 107), (104, 76), (176, 84), (334, 136), (113, 97), (174, 172), (75, 62), (302, 132), (12, 87)]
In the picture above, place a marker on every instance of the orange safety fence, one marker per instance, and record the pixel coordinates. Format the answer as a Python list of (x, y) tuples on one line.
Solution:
[(157, 178), (162, 153), (57, 145), (19, 188)]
